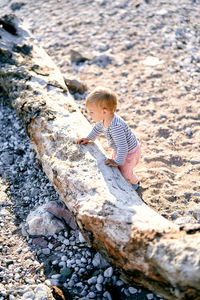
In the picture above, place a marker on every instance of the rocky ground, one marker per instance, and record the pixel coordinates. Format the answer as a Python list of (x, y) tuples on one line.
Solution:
[(148, 52)]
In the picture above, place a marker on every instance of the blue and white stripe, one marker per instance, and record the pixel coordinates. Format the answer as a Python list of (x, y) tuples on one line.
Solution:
[(119, 135)]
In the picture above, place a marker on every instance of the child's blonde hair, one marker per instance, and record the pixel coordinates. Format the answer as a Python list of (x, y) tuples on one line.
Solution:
[(104, 97)]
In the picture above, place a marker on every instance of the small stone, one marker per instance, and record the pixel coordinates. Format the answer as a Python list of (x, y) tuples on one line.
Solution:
[(75, 86), (108, 272), (132, 290), (55, 276), (149, 296), (119, 283), (46, 251), (99, 287), (188, 131), (92, 280), (91, 295), (196, 194), (174, 215), (195, 161), (40, 241), (100, 279), (126, 292), (81, 238), (17, 5), (107, 295), (50, 246), (29, 295), (77, 57), (66, 242), (64, 258)]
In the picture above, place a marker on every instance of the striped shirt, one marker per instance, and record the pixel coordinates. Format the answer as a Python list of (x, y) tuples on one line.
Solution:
[(119, 136)]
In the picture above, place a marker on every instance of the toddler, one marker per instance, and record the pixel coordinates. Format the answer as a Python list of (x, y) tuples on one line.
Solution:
[(101, 105)]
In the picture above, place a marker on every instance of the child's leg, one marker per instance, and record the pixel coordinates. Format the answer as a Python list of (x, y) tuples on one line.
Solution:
[(130, 163)]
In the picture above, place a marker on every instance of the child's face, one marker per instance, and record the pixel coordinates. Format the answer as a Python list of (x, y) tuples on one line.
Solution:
[(96, 112)]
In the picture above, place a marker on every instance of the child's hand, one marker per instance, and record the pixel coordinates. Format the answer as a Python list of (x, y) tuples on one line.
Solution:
[(82, 141), (110, 162)]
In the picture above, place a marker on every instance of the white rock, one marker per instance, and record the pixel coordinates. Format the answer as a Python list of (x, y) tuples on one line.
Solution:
[(40, 222)]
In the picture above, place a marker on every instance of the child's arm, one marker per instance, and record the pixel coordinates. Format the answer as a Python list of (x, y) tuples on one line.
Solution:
[(82, 141), (97, 129)]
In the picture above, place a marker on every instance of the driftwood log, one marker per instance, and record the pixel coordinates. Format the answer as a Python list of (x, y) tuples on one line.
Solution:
[(147, 248)]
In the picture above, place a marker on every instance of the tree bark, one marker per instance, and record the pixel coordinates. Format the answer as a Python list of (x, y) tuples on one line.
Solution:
[(147, 248)]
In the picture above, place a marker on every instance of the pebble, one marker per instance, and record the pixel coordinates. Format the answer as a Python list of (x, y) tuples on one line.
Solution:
[(92, 280), (46, 251), (108, 272), (100, 279), (99, 287), (188, 131), (107, 295), (132, 290), (150, 296)]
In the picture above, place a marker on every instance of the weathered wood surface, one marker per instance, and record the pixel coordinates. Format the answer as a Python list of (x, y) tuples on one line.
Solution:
[(147, 248)]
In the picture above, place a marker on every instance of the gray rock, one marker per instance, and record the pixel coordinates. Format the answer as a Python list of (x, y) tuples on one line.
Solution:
[(99, 261), (107, 295), (29, 295), (46, 251), (100, 279), (92, 280), (91, 295), (132, 290), (174, 215), (99, 287), (108, 272), (149, 296), (41, 222), (77, 57)]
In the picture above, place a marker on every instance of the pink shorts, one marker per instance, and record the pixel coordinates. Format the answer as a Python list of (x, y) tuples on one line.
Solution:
[(131, 161)]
